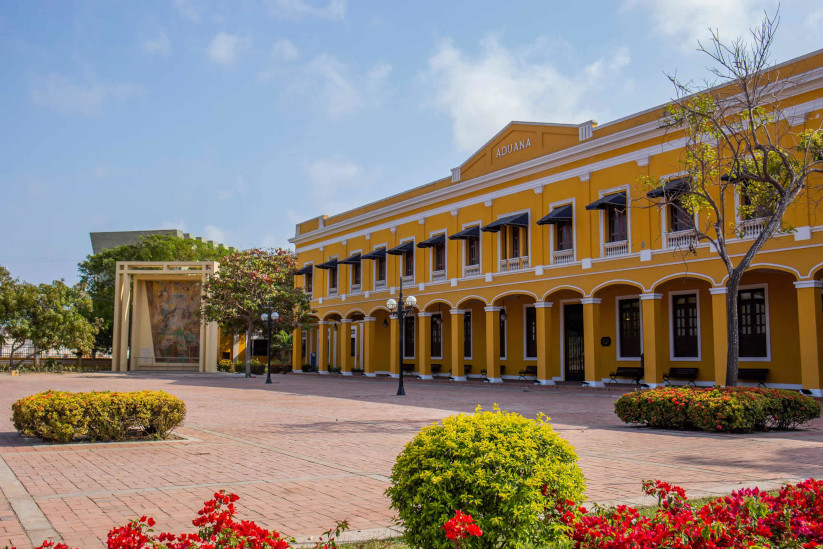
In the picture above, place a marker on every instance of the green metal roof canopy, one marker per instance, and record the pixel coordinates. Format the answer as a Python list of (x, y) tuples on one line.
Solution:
[(433, 241), (376, 254), (328, 264), (465, 234), (516, 220), (610, 200), (673, 186), (405, 247), (557, 215), (351, 260)]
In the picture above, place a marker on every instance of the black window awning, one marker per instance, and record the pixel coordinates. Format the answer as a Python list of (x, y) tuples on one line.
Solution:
[(471, 232), (351, 260), (516, 220), (328, 264), (376, 254), (404, 248), (673, 186), (433, 241), (307, 270), (557, 215), (608, 201)]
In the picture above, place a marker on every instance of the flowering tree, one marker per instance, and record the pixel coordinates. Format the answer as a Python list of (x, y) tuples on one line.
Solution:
[(746, 164), (46, 315), (249, 283)]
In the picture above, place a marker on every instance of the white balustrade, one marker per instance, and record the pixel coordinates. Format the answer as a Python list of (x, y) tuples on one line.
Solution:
[(355, 288), (332, 292), (438, 276), (562, 257), (751, 228), (681, 239), (614, 249), (379, 284), (407, 280), (471, 270), (514, 264)]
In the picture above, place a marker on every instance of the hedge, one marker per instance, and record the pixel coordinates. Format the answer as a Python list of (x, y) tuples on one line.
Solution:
[(62, 417), (718, 409)]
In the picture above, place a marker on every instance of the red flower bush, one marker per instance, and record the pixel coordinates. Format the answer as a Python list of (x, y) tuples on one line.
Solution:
[(717, 409), (747, 518), (460, 527)]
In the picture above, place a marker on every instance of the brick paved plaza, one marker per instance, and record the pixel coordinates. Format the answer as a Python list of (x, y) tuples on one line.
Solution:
[(313, 449)]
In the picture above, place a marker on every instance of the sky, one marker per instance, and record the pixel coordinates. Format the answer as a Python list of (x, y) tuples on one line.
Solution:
[(235, 120)]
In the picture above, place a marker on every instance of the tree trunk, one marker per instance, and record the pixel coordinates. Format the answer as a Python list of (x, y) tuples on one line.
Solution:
[(732, 328), (248, 349)]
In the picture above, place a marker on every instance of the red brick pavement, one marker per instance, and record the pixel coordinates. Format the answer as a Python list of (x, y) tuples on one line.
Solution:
[(312, 449)]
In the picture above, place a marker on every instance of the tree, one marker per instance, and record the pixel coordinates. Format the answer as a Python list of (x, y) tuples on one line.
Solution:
[(48, 316), (739, 142), (252, 282), (97, 272)]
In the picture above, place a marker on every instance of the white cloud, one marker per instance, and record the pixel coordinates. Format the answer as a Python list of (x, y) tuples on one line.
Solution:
[(214, 233), (284, 50), (87, 95), (337, 88), (814, 21), (187, 10), (687, 21), (295, 9), (337, 184), (485, 92), (238, 188), (159, 45), (173, 224), (225, 49)]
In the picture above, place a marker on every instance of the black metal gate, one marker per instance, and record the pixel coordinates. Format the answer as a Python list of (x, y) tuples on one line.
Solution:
[(573, 342)]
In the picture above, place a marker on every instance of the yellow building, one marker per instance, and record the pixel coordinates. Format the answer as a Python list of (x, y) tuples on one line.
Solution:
[(537, 251)]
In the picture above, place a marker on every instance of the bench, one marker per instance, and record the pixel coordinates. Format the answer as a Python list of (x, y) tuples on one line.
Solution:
[(486, 377), (528, 371), (467, 369), (436, 369), (681, 373), (753, 374), (408, 368), (633, 372)]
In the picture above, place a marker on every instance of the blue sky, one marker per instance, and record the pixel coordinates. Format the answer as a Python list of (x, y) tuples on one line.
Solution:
[(235, 120)]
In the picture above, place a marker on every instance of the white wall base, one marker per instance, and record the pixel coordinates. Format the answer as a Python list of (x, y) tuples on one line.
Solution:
[(425, 377), (595, 383), (545, 381), (816, 392), (323, 372), (459, 378), (495, 380), (395, 376), (370, 374), (346, 373)]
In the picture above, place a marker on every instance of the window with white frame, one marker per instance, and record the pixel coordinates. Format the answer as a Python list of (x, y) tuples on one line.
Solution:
[(437, 336), (408, 337), (530, 323), (685, 324), (629, 328), (753, 322)]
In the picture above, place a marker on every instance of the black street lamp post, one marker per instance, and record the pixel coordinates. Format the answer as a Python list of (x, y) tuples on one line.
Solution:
[(269, 319), (401, 307)]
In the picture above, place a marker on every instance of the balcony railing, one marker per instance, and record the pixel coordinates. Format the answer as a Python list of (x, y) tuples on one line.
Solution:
[(438, 276), (751, 228), (561, 257), (407, 280), (471, 270), (614, 249), (514, 264), (355, 288), (681, 239), (332, 292), (379, 284)]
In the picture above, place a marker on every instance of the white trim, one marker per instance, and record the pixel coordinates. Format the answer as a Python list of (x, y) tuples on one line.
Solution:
[(432, 356), (465, 246), (445, 233), (590, 300), (374, 268), (808, 284), (525, 330), (604, 220), (632, 297), (351, 273), (768, 357), (497, 270), (553, 234), (699, 356), (402, 267), (543, 305), (719, 290)]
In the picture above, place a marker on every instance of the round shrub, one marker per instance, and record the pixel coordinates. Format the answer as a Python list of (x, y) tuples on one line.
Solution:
[(663, 408), (504, 470), (62, 417), (728, 411)]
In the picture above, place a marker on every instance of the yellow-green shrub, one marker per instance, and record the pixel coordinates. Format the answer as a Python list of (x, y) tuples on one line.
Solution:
[(504, 470), (58, 416)]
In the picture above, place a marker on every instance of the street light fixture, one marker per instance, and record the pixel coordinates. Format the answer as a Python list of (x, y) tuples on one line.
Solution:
[(401, 308), (273, 317)]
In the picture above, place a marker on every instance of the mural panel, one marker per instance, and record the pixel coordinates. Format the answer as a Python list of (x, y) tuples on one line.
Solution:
[(175, 326)]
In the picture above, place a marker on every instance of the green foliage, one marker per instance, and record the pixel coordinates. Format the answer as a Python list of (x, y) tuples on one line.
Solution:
[(249, 283), (97, 272), (504, 470), (58, 416), (47, 315), (726, 409)]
